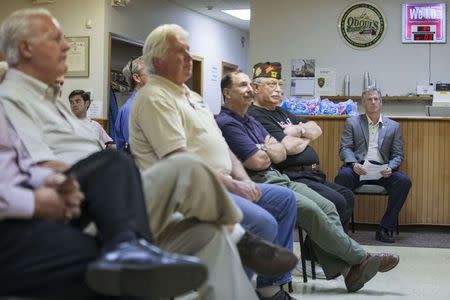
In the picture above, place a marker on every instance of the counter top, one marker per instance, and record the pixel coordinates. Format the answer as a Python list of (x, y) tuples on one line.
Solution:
[(385, 98), (425, 118)]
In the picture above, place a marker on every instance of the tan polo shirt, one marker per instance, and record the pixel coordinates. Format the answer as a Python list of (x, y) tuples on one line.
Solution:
[(165, 117), (44, 122)]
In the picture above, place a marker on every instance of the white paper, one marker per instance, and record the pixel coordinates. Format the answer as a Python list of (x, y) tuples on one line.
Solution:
[(326, 81), (95, 110), (373, 171), (302, 86)]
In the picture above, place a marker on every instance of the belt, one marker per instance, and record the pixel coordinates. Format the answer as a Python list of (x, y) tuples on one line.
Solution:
[(313, 167)]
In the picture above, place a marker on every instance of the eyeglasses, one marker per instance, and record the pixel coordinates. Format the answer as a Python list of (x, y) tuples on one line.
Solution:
[(273, 84)]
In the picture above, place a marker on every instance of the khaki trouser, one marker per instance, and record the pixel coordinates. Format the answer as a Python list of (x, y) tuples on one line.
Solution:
[(334, 249), (187, 208)]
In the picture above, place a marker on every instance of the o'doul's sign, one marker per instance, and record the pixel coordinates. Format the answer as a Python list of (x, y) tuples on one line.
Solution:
[(362, 25)]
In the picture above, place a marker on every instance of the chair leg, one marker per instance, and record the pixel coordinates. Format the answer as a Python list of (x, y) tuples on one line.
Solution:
[(352, 220), (302, 253), (398, 232), (313, 263)]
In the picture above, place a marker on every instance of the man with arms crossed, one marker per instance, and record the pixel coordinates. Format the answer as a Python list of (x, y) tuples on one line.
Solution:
[(302, 161)]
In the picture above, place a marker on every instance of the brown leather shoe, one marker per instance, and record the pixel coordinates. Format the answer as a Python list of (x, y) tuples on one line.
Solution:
[(388, 261), (362, 273), (265, 258)]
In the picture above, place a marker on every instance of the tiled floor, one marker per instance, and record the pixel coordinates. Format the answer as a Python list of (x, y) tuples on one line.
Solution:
[(423, 273)]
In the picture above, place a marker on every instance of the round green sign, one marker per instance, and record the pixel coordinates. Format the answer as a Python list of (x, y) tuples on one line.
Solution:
[(362, 25)]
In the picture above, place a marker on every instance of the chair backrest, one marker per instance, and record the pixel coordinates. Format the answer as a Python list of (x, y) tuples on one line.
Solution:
[(370, 189)]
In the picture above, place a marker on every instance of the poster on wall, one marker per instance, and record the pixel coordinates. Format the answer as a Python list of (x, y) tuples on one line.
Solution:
[(326, 81), (302, 77), (362, 25), (423, 22)]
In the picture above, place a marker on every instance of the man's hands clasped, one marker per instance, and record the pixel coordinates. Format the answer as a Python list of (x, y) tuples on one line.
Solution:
[(59, 199)]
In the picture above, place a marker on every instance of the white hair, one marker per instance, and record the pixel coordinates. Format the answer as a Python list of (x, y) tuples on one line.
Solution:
[(136, 65), (15, 28), (156, 43)]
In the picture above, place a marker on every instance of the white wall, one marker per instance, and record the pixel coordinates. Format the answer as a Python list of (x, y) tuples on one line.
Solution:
[(210, 39), (286, 29), (73, 15)]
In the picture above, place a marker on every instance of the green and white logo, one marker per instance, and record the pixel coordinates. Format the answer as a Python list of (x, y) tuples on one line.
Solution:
[(362, 25)]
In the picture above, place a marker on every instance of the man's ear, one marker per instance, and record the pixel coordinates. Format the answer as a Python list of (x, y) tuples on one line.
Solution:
[(25, 49), (136, 78), (255, 87), (226, 93)]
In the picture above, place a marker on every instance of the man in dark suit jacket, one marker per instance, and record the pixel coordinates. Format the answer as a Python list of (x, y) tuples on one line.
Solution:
[(375, 138)]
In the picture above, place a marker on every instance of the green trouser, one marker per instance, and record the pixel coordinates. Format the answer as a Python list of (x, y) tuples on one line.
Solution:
[(334, 249)]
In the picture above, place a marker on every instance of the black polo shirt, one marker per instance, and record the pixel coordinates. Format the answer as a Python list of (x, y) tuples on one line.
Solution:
[(273, 121)]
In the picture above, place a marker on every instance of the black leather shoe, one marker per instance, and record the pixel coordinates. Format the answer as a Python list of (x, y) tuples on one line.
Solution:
[(265, 258), (140, 269), (281, 295), (384, 236)]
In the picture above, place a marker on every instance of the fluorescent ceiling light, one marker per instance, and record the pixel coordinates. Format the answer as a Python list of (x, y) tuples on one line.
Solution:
[(243, 14)]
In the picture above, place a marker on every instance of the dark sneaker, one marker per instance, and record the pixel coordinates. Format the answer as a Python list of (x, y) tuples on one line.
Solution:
[(265, 258), (140, 269)]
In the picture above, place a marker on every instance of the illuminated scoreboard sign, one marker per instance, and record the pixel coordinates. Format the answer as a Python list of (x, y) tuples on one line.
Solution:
[(423, 22)]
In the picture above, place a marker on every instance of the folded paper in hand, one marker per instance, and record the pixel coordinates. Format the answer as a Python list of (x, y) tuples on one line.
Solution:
[(373, 171)]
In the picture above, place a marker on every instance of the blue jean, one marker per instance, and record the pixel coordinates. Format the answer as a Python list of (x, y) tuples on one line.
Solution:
[(397, 186), (273, 219)]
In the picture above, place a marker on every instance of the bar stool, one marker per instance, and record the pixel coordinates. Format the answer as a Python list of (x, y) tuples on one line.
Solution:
[(369, 189)]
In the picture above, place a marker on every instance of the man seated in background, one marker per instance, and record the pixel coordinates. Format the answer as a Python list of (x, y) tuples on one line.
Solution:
[(302, 161), (167, 118), (377, 139), (136, 77), (79, 104), (336, 251), (54, 138)]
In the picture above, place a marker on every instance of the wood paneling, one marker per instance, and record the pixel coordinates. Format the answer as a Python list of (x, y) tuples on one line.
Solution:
[(427, 163)]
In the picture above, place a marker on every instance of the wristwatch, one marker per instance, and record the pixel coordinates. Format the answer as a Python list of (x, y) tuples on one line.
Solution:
[(263, 147)]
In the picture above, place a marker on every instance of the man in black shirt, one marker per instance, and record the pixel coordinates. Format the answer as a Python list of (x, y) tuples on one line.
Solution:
[(302, 162)]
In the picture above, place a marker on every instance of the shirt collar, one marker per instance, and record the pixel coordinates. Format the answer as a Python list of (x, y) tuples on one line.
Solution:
[(51, 92), (234, 115), (179, 89), (380, 120)]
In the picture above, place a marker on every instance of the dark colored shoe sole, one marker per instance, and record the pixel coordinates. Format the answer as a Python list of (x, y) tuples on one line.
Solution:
[(154, 281), (369, 272), (378, 238)]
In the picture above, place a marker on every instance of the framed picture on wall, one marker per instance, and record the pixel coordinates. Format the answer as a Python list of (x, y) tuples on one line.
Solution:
[(78, 57), (423, 22)]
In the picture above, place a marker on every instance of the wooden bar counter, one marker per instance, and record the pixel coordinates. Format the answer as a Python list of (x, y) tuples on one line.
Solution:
[(427, 163)]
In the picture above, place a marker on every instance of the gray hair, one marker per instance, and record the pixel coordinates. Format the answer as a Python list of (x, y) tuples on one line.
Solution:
[(156, 43), (370, 89), (136, 65), (15, 28)]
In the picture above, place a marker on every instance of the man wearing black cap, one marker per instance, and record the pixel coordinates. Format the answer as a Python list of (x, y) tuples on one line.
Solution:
[(302, 161), (251, 143)]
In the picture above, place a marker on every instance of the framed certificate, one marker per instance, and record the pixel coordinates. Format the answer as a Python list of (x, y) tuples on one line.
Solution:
[(78, 57)]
